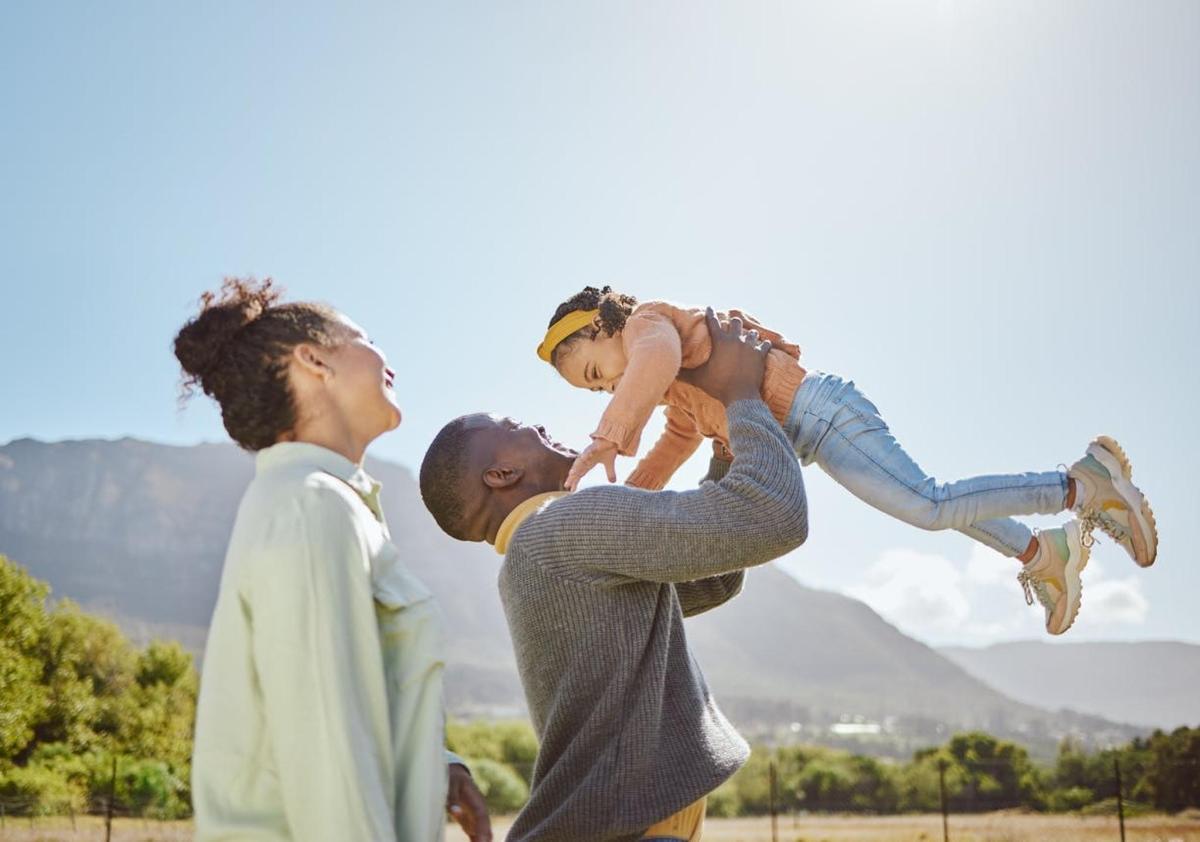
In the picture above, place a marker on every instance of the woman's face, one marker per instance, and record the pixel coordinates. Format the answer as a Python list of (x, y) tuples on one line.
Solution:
[(363, 385)]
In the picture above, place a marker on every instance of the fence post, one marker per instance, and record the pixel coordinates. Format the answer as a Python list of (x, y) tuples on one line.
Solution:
[(942, 794), (112, 796), (71, 807), (774, 810), (1120, 798)]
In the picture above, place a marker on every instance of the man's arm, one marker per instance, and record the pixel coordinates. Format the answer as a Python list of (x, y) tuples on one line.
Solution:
[(707, 594), (755, 514)]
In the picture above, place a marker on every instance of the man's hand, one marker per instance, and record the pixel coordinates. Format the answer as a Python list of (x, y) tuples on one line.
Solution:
[(599, 452), (735, 368), (465, 804)]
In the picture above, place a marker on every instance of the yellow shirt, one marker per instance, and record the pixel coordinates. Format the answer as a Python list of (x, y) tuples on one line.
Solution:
[(521, 513), (320, 711)]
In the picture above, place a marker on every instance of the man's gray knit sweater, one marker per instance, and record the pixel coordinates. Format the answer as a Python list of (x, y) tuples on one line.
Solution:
[(595, 587)]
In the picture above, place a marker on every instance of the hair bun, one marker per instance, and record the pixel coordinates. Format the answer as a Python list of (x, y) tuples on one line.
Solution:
[(205, 339)]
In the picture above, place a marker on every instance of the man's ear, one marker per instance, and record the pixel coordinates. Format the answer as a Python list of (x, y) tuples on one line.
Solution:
[(311, 360), (502, 476)]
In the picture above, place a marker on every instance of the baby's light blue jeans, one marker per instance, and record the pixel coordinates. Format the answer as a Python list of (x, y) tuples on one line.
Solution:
[(833, 424)]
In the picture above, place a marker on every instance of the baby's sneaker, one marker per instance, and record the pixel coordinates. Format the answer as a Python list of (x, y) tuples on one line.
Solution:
[(1105, 497), (1053, 575)]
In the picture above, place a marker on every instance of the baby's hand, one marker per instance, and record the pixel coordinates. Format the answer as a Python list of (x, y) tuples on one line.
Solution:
[(600, 451)]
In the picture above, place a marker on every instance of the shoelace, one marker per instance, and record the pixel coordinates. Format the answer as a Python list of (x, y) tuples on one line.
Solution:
[(1032, 585), (1092, 518)]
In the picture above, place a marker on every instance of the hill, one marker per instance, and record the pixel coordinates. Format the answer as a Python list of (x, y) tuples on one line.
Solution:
[(1153, 683), (138, 531)]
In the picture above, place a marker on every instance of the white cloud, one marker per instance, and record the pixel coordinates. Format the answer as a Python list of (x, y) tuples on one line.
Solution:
[(916, 591), (1112, 601), (985, 566), (978, 601)]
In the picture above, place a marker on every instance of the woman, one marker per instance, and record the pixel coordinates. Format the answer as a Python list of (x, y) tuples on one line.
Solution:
[(320, 706)]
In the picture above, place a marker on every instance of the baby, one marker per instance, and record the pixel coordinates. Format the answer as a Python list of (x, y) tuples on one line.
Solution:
[(605, 341)]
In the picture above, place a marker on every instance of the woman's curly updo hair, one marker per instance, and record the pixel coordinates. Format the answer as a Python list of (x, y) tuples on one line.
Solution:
[(615, 309), (236, 350)]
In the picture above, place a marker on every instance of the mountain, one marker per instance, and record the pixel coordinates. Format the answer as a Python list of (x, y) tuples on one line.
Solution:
[(138, 531), (1155, 683)]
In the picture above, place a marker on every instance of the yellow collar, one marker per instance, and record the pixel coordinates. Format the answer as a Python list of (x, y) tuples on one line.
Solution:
[(521, 514)]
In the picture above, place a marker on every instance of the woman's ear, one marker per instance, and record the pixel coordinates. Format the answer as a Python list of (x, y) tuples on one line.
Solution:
[(312, 360), (502, 476)]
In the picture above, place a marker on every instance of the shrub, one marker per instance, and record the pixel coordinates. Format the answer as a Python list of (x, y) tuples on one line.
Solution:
[(38, 791), (502, 788), (724, 802)]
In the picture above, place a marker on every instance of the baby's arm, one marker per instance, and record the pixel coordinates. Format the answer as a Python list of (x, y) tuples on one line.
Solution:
[(653, 353), (677, 443)]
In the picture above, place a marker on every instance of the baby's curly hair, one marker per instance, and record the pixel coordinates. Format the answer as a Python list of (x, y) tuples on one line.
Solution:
[(236, 351), (615, 309)]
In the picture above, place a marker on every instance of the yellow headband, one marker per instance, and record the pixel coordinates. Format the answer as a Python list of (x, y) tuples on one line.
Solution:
[(563, 328)]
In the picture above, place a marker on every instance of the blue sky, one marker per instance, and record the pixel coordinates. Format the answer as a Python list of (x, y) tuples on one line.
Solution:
[(986, 214)]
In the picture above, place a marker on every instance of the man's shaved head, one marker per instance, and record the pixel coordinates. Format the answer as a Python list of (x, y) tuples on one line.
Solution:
[(480, 466), (442, 474)]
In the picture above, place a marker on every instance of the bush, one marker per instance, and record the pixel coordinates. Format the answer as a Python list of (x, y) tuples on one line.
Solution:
[(38, 791), (151, 789), (724, 802), (1069, 799), (1108, 807), (502, 788), (512, 743)]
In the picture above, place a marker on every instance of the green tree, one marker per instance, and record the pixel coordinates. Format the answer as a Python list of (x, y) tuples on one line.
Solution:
[(981, 773), (1172, 776), (74, 691), (88, 670), (23, 697)]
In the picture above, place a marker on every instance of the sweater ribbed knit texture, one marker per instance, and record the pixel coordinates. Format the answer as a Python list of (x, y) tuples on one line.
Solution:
[(595, 587)]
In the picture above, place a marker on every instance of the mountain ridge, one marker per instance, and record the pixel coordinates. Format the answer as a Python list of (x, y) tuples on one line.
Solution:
[(138, 530)]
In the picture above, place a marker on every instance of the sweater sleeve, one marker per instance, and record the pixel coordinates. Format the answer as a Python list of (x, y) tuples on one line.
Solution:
[(654, 353), (317, 656), (706, 594), (614, 534), (676, 444)]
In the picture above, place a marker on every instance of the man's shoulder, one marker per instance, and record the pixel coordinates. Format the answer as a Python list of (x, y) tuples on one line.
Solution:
[(572, 521)]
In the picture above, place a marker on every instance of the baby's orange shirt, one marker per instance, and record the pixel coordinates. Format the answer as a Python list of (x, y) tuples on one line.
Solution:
[(660, 339)]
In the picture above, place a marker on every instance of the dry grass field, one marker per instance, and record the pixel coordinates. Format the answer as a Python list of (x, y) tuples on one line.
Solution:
[(992, 827)]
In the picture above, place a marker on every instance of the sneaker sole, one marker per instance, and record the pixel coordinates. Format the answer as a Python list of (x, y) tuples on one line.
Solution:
[(1112, 456), (1076, 562)]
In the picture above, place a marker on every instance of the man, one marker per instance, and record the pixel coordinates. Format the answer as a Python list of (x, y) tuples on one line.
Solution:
[(595, 586)]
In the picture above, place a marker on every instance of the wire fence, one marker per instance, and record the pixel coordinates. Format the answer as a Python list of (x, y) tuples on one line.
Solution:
[(29, 810), (787, 784), (983, 786)]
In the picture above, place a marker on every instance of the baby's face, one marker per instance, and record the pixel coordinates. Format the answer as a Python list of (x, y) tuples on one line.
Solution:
[(595, 364)]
